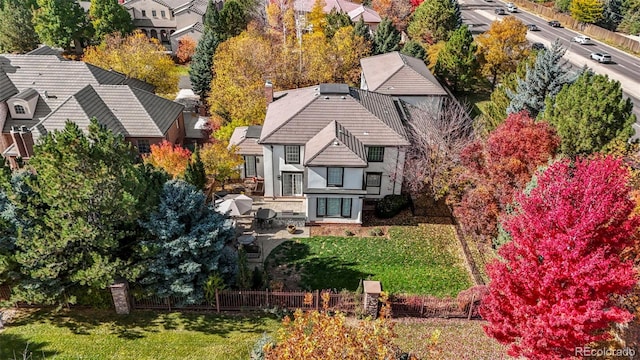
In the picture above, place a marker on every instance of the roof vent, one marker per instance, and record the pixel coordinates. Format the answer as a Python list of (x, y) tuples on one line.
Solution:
[(365, 133), (343, 97), (326, 98), (335, 143)]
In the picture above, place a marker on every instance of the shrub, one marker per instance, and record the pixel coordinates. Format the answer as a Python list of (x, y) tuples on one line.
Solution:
[(372, 232), (348, 233), (266, 341), (391, 205)]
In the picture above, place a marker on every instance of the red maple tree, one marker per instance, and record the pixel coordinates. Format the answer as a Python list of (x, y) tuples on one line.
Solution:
[(499, 168), (171, 158), (552, 291)]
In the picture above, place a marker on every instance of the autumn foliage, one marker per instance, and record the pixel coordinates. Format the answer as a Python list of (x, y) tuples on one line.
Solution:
[(171, 158), (186, 49), (499, 168), (552, 291), (320, 335)]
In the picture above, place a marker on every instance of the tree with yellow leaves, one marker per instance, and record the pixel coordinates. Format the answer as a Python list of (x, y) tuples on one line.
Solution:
[(220, 163), (138, 57), (347, 50), (317, 18), (502, 47), (586, 11)]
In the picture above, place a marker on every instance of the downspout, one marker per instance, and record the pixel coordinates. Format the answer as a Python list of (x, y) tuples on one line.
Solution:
[(395, 178), (274, 177)]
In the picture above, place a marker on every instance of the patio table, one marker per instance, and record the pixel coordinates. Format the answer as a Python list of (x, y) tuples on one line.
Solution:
[(246, 239), (265, 216)]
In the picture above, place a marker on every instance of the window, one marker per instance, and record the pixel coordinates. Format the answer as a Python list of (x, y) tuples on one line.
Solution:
[(249, 166), (143, 147), (291, 184), (19, 109), (292, 154), (154, 13), (373, 182), (375, 154), (334, 176), (333, 207), (144, 13), (163, 14)]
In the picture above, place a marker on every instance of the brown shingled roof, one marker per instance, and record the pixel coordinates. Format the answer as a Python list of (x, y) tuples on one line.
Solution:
[(334, 145), (299, 114), (398, 74)]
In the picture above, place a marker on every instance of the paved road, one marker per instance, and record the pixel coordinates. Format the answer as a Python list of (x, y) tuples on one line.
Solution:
[(625, 68)]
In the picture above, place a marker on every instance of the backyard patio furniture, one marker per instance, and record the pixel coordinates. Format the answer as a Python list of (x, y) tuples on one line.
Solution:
[(264, 217), (246, 239), (234, 205)]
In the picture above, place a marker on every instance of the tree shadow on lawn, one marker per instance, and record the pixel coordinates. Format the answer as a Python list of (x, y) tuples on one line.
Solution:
[(294, 259), (14, 346), (139, 323)]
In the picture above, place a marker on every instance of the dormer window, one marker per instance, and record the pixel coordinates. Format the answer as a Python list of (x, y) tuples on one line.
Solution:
[(19, 109)]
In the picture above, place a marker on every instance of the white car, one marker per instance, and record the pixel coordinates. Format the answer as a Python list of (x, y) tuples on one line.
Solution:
[(512, 8), (584, 40), (601, 57)]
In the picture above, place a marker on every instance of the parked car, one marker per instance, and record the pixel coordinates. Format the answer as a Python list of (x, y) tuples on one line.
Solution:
[(533, 27), (538, 46), (555, 23), (500, 11), (601, 57), (512, 8), (584, 40)]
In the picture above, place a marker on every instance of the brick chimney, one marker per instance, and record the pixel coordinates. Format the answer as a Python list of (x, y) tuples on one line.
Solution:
[(268, 92), (27, 140), (17, 139)]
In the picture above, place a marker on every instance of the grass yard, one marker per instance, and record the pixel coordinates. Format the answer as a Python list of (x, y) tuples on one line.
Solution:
[(458, 339), (92, 334), (424, 259)]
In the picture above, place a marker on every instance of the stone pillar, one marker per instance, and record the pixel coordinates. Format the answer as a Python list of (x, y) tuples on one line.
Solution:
[(372, 290), (120, 295)]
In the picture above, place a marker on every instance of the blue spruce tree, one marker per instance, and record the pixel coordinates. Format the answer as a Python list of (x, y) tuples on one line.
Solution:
[(547, 77), (187, 239)]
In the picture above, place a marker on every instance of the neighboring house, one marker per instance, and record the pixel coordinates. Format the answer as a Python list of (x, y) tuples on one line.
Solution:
[(335, 146), (401, 76), (354, 10), (169, 20), (39, 93), (245, 139)]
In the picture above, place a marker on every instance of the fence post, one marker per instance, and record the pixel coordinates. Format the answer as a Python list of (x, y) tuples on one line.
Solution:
[(317, 299), (473, 299), (422, 308), (217, 302), (120, 296)]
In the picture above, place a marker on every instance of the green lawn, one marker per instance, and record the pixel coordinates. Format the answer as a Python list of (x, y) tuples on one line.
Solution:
[(182, 69), (423, 259), (91, 334)]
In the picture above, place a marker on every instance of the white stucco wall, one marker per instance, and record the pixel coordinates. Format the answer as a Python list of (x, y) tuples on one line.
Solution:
[(352, 178), (274, 165), (356, 210), (392, 170)]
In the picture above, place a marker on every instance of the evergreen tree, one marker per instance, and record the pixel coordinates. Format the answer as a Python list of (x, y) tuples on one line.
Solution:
[(195, 174), (84, 194), (186, 244), (231, 20), (362, 29), (335, 21), (546, 78), (108, 16), (590, 114), (413, 48), (17, 34), (386, 38), (457, 62), (201, 70), (433, 21), (61, 23), (612, 15)]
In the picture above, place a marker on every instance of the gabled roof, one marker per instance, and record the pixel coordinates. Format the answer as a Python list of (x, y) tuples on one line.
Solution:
[(197, 26), (245, 138), (7, 89), (348, 7), (298, 115), (171, 4), (45, 50), (80, 108), (26, 94), (398, 74), (334, 145), (197, 6)]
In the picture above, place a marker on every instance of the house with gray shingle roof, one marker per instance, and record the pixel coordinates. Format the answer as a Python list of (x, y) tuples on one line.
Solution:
[(169, 20), (401, 76), (38, 95), (245, 140), (334, 146)]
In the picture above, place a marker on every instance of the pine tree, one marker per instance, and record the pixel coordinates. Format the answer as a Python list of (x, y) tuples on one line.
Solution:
[(546, 78), (201, 70), (335, 21), (433, 21), (108, 16), (590, 114), (413, 48), (61, 23), (362, 29), (17, 34), (457, 62), (195, 174), (187, 237), (386, 38)]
